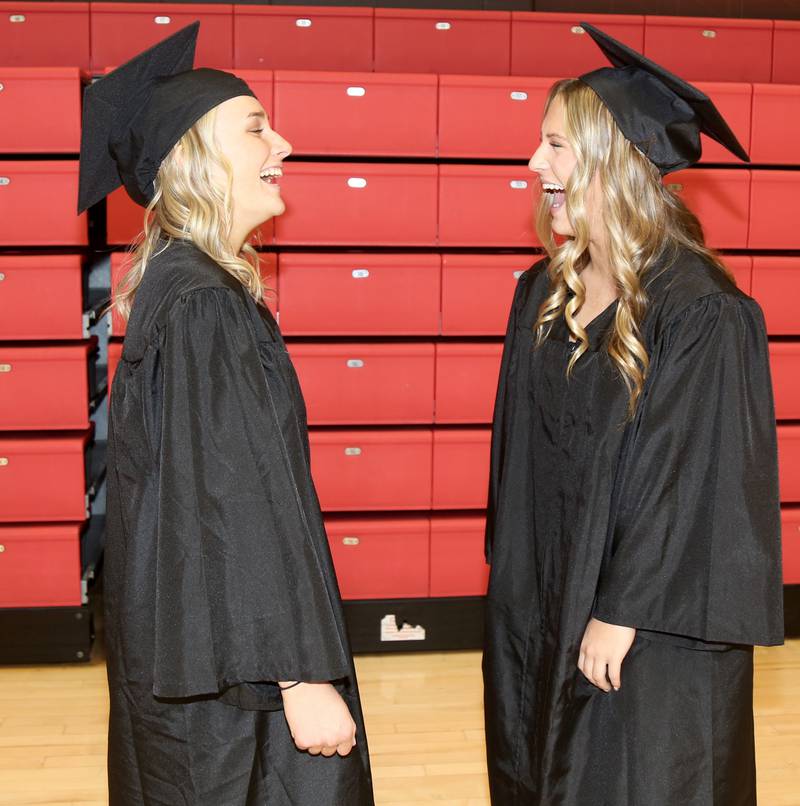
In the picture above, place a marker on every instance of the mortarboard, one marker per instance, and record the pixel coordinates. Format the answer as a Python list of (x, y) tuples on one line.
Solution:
[(133, 116), (661, 114)]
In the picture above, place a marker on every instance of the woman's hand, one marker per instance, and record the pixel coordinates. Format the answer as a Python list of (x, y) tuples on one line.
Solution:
[(319, 719), (603, 649)]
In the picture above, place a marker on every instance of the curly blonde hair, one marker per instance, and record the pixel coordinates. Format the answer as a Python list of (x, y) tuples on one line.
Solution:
[(644, 221), (189, 205)]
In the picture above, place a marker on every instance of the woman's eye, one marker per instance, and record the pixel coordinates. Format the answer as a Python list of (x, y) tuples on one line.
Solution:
[(256, 131), (555, 145)]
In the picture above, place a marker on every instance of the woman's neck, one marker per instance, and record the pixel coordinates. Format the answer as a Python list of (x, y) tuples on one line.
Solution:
[(236, 244), (598, 276)]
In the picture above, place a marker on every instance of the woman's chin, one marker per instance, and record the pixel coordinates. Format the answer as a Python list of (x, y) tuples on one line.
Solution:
[(562, 230), (276, 207)]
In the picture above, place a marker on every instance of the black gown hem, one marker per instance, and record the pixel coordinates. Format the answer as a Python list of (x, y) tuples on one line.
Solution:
[(198, 691), (679, 635)]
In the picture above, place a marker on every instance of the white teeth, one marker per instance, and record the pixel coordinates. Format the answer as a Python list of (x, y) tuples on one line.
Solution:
[(550, 187), (271, 172)]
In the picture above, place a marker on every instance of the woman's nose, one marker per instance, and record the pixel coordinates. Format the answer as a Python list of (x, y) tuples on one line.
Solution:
[(535, 162), (280, 148)]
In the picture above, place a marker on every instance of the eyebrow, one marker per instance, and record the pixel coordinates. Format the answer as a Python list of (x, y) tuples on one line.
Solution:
[(256, 115), (556, 134)]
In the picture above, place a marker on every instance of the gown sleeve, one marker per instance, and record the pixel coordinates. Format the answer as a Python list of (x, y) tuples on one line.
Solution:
[(510, 417), (500, 422), (241, 594), (694, 549)]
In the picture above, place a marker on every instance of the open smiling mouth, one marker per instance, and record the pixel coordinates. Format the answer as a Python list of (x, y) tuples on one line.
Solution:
[(271, 176), (556, 194)]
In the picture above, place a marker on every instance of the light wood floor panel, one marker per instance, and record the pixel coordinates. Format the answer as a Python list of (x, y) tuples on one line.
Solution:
[(424, 720)]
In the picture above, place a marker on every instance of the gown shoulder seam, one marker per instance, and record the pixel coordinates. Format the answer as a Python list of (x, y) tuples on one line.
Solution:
[(182, 297), (725, 298), (158, 327)]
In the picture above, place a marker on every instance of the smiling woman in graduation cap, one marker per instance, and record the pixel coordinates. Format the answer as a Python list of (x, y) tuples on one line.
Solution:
[(633, 525), (229, 670)]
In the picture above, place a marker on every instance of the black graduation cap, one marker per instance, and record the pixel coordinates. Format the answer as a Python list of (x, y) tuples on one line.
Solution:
[(136, 114), (661, 114)]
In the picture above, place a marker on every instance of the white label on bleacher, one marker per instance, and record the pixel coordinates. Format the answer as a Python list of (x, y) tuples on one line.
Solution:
[(356, 92), (5, 367), (3, 461), (443, 26), (4, 180), (303, 23), (576, 29), (356, 182), (519, 96), (163, 20), (360, 274), (710, 34), (16, 18), (2, 277), (355, 363), (352, 451), (350, 541), (407, 632), (518, 184), (518, 274), (675, 187), (2, 87)]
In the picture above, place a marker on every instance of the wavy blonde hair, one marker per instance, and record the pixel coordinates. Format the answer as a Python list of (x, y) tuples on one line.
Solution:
[(643, 219), (189, 205)]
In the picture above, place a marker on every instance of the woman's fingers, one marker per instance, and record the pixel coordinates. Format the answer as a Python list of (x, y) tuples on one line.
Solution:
[(605, 674), (586, 665), (319, 720), (599, 674), (331, 747), (615, 673), (603, 651), (345, 747)]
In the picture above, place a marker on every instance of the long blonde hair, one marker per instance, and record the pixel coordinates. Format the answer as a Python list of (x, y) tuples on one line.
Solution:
[(644, 221), (189, 205)]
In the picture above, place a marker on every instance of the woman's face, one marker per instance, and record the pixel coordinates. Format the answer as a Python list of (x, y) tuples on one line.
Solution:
[(256, 154), (555, 161)]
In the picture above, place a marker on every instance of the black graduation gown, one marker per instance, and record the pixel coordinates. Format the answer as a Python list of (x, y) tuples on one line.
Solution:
[(218, 575), (669, 524)]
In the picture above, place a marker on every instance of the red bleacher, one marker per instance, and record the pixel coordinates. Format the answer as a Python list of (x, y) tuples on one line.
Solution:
[(44, 34), (393, 269)]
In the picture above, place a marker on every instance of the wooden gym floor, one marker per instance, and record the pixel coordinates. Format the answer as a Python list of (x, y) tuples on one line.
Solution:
[(423, 715)]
